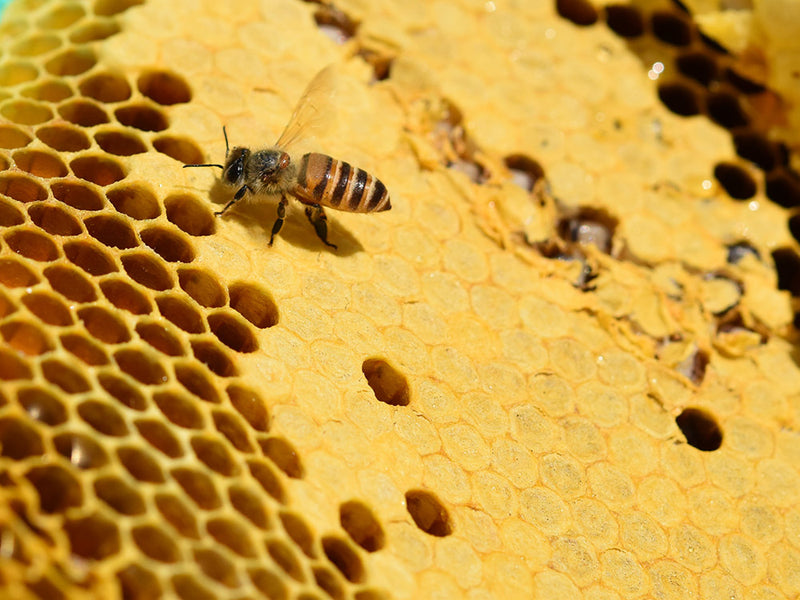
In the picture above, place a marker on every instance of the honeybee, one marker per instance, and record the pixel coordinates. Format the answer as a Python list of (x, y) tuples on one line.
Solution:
[(317, 180)]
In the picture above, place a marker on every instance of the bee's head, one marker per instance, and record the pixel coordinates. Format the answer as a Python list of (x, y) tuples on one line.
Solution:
[(233, 172)]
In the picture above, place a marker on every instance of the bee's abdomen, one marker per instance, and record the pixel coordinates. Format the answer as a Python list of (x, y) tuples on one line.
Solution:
[(324, 180)]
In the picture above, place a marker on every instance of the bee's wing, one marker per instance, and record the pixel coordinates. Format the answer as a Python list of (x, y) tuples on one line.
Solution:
[(314, 111)]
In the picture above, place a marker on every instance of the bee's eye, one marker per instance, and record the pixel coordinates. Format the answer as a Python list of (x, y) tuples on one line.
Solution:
[(234, 171)]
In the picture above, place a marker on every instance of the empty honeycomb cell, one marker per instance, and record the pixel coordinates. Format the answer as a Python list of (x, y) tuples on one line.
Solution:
[(40, 163), (755, 147), (198, 486), (672, 27), (202, 286), (215, 455), (181, 149), (254, 304), (284, 455), (16, 73), (164, 87), (70, 283), (140, 464), (723, 108), (105, 87), (284, 557), (680, 97), (42, 405), (160, 338), (334, 23), (179, 409), (196, 382), (361, 525), (12, 366), (135, 201), (625, 20), (215, 358), (232, 427), (328, 581), (61, 17), (216, 566), (94, 31), (389, 385), (344, 557), (44, 588), (83, 113), (31, 244), (525, 171), (299, 532), (155, 543), (178, 514), (104, 325), (15, 274), (142, 366), (736, 181), (36, 44), (77, 194), (10, 215), (188, 588), (137, 582), (126, 296), (142, 117), (61, 374), (58, 488), (120, 143), (159, 435), (232, 332), (122, 390), (119, 495), (93, 537), (250, 505), (63, 137), (19, 439), (48, 309), (21, 187), (27, 338), (101, 170), (428, 513), (190, 215), (84, 349), (74, 61), (579, 12), (148, 270), (182, 313), (269, 584), (80, 450), (168, 244), (787, 266), (52, 90), (783, 188), (53, 219), (267, 479), (26, 112), (794, 226), (103, 417), (112, 231), (7, 306), (738, 251), (697, 65), (700, 429), (13, 137)]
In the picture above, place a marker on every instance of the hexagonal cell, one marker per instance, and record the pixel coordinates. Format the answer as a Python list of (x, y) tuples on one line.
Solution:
[(140, 464), (190, 215), (232, 426), (254, 304), (268, 583), (25, 337), (232, 331), (119, 495), (284, 455), (579, 12), (178, 514), (137, 582), (142, 117), (93, 537), (122, 390), (108, 8), (74, 61), (125, 296), (160, 436), (624, 20), (787, 266), (250, 405), (724, 108), (42, 405), (104, 325), (85, 349), (12, 366), (53, 219), (106, 87), (698, 65), (168, 244), (783, 187), (203, 287), (52, 90), (428, 513), (15, 73), (21, 187), (142, 366), (48, 308), (160, 338), (80, 450), (164, 87), (103, 417), (94, 31), (181, 149), (120, 143), (10, 215), (112, 231), (61, 17), (362, 526), (215, 455), (187, 587), (267, 479), (198, 486), (13, 137), (32, 244), (196, 381), (344, 558), (757, 148), (250, 505), (70, 283), (215, 358), (101, 170), (65, 376), (15, 274), (155, 543), (7, 306), (148, 270), (736, 181), (672, 27), (700, 429), (181, 312), (329, 582), (26, 112), (216, 566), (39, 163), (36, 44), (299, 532), (77, 194), (58, 489), (388, 384), (179, 409), (525, 171), (136, 201), (19, 439), (285, 558), (83, 113), (680, 97)]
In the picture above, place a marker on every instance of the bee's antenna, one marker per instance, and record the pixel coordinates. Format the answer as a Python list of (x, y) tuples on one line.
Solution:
[(225, 133), (205, 165), (227, 150)]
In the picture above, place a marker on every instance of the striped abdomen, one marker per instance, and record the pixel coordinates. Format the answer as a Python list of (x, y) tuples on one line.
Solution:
[(324, 180)]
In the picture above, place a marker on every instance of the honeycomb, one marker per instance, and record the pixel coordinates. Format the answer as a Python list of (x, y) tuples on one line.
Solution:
[(564, 364)]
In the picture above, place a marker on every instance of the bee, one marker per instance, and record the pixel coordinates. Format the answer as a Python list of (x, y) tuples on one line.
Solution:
[(317, 180)]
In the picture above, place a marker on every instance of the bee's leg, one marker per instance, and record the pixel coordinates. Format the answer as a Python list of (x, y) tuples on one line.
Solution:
[(279, 221), (236, 197), (318, 219)]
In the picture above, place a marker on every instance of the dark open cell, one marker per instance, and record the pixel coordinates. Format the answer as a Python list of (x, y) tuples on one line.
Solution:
[(700, 429), (579, 12)]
